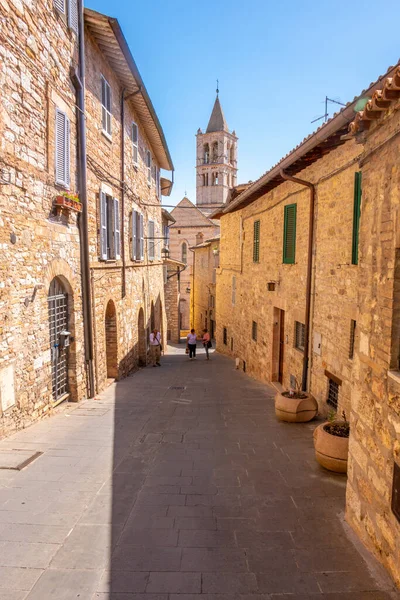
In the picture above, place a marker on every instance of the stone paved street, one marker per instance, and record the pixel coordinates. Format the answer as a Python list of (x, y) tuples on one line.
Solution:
[(177, 483)]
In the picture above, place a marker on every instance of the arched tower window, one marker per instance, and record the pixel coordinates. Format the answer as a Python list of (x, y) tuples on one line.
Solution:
[(231, 154), (228, 153), (205, 179), (206, 154), (215, 151), (214, 179), (184, 253)]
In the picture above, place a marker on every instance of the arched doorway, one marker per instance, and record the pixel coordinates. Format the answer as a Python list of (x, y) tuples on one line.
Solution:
[(59, 338), (111, 341), (141, 339), (152, 317)]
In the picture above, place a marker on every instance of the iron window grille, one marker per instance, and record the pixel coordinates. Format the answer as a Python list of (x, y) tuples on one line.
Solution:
[(256, 241), (254, 331), (225, 336), (333, 394), (352, 338), (299, 335)]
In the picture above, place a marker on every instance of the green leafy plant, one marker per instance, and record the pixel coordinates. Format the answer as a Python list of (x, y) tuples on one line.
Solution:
[(71, 196)]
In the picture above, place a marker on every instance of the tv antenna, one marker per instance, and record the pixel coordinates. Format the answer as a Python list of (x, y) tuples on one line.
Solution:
[(326, 115)]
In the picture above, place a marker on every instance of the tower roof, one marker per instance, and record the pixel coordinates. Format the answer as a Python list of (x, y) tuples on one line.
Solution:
[(217, 120)]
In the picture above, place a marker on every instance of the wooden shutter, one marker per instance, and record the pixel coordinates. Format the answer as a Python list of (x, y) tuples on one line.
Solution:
[(117, 232), (73, 15), (150, 244), (60, 6), (141, 240), (62, 143), (256, 241), (289, 234), (356, 217), (103, 226), (134, 235)]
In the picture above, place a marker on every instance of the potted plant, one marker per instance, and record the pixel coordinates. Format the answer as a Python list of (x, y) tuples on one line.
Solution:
[(331, 443), (69, 201), (295, 406)]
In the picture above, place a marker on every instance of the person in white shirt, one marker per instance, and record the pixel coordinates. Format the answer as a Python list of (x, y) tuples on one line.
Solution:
[(191, 342), (155, 348)]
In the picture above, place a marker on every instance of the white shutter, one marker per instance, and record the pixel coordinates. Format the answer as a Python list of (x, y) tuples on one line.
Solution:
[(141, 243), (135, 141), (103, 226), (134, 235), (60, 6), (62, 144), (73, 15), (117, 232)]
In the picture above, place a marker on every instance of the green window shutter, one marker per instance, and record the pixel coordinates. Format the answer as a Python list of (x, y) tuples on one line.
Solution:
[(289, 234), (356, 217), (256, 242)]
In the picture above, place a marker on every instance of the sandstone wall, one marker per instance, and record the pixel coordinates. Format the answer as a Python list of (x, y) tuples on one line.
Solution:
[(204, 286)]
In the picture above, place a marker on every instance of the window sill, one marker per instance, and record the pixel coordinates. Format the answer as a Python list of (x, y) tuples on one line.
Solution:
[(394, 375), (106, 135)]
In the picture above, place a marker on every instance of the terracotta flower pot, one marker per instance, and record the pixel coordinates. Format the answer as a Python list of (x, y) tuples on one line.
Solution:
[(295, 410), (331, 450), (68, 203)]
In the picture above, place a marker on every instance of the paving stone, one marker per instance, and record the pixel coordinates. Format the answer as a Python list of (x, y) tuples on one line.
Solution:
[(177, 583), (213, 559), (57, 584), (123, 582), (128, 558), (148, 537), (206, 539), (231, 583), (15, 578), (30, 555), (195, 523)]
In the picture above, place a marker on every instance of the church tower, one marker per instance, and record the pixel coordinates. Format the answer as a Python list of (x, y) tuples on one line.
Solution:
[(216, 162)]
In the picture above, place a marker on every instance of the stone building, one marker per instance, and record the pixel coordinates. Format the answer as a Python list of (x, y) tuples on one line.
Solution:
[(203, 287), (216, 169), (51, 287), (307, 289)]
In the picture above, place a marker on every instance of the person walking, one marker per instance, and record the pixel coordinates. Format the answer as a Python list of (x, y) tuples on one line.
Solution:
[(191, 342), (206, 342), (155, 348)]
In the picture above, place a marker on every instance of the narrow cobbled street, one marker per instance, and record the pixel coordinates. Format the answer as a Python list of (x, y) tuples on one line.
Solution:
[(177, 483)]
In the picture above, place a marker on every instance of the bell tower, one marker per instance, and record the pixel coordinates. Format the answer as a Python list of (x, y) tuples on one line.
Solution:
[(216, 161)]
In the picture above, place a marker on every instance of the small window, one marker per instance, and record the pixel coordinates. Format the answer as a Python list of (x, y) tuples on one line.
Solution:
[(158, 181), (62, 146), (232, 154), (135, 143), (205, 179), (356, 217), (233, 291), (289, 234), (299, 335), (254, 331), (151, 240), (214, 178), (352, 338), (184, 253), (256, 241), (148, 164), (225, 336), (110, 235), (166, 236), (105, 105), (231, 344), (215, 152), (333, 393), (206, 154)]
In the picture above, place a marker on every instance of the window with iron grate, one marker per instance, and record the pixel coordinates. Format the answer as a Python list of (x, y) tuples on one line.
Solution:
[(333, 393), (299, 335), (352, 338), (254, 331), (256, 241), (225, 336)]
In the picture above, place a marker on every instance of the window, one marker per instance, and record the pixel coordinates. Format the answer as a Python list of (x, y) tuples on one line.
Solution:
[(215, 152), (148, 164), (184, 253), (299, 335), (225, 336), (233, 290), (254, 331), (356, 217), (151, 241), (158, 181), (205, 179), (62, 146), (206, 154), (228, 153), (333, 393), (231, 344), (289, 234), (69, 8), (105, 105), (214, 178), (137, 236), (232, 155), (165, 274), (110, 236), (352, 337), (256, 241), (166, 236), (135, 143)]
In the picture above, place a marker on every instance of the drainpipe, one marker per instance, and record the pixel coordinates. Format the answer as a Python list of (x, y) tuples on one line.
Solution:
[(78, 79), (123, 193), (309, 272)]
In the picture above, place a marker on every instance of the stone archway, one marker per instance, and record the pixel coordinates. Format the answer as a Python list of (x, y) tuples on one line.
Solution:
[(141, 339), (111, 341)]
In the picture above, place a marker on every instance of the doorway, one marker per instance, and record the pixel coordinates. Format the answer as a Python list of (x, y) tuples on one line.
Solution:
[(58, 322), (141, 339), (111, 341), (278, 346)]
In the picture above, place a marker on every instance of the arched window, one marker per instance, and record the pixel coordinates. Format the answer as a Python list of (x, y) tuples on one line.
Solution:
[(215, 152), (206, 154), (228, 153), (215, 178), (231, 154), (205, 179), (184, 253)]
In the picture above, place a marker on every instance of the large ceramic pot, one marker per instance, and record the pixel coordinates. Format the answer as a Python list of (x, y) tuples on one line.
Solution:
[(331, 450), (295, 410)]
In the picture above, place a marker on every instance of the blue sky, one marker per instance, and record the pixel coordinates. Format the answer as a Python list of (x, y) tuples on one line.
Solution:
[(276, 62)]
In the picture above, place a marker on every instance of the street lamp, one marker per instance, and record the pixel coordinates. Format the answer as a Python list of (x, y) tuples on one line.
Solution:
[(165, 253)]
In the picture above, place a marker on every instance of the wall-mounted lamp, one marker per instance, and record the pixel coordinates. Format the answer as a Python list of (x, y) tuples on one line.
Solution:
[(271, 285), (37, 287), (215, 251), (165, 253)]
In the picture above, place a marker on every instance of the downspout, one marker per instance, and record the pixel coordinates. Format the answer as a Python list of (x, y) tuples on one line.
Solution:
[(123, 291), (192, 291), (79, 84), (309, 272)]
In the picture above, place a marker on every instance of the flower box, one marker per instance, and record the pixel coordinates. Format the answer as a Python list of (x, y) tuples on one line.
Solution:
[(68, 203)]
